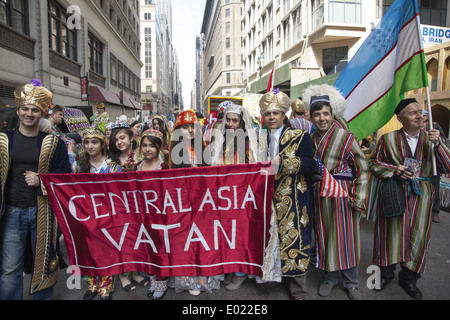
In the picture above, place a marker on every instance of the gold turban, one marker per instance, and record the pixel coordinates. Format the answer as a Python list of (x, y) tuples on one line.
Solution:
[(297, 106), (29, 94), (100, 105), (274, 100)]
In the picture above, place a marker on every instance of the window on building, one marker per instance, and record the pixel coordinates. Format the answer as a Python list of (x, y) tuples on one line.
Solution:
[(120, 73), (15, 14), (95, 54), (228, 60), (113, 69), (62, 38), (227, 12), (344, 11), (334, 59), (228, 76), (287, 34), (148, 52), (317, 13), (227, 27), (227, 43), (432, 12), (297, 21)]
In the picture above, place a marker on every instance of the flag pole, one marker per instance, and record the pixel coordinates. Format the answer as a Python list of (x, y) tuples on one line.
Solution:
[(427, 88)]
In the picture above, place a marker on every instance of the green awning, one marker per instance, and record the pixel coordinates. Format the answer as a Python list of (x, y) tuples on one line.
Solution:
[(297, 91)]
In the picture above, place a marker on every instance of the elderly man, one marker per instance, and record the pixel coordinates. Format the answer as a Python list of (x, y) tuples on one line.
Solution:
[(408, 155), (337, 219), (24, 154), (292, 153)]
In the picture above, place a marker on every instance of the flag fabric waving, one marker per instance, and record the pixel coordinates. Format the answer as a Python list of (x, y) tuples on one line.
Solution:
[(390, 62)]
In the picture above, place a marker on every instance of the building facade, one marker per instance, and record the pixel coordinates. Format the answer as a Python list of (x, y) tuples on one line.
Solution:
[(161, 85), (221, 48), (59, 42)]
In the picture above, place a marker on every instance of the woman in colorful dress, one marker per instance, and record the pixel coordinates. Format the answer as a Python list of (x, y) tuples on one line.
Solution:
[(95, 160), (122, 149), (151, 144), (187, 151)]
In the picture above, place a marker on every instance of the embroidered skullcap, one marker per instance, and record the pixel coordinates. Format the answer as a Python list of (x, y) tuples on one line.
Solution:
[(274, 100), (223, 105), (325, 92), (92, 133), (234, 108), (100, 106), (324, 98), (403, 104), (185, 117), (118, 125), (152, 133), (33, 94)]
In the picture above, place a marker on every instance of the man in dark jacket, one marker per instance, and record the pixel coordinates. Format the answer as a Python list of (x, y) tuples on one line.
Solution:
[(25, 212)]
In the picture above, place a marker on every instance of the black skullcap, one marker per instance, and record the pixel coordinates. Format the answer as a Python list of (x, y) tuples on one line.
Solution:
[(403, 104)]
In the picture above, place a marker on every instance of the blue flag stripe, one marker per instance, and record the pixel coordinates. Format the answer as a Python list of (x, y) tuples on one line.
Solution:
[(377, 45)]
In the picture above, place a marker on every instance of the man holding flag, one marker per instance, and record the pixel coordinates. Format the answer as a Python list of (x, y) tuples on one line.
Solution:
[(340, 197), (407, 154)]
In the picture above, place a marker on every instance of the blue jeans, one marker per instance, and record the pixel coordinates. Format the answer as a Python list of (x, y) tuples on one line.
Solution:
[(15, 225)]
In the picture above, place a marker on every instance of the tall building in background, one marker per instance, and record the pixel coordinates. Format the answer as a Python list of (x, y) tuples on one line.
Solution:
[(222, 34), (161, 85), (308, 41), (60, 41)]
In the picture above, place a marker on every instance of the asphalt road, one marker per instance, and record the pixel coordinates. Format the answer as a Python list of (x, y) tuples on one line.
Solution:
[(434, 284)]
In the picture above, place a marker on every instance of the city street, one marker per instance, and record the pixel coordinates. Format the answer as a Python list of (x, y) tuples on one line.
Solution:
[(434, 284)]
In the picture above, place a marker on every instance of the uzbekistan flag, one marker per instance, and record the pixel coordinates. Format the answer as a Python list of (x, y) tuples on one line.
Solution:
[(389, 63)]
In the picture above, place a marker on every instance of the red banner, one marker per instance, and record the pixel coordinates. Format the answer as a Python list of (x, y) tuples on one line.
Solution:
[(199, 221)]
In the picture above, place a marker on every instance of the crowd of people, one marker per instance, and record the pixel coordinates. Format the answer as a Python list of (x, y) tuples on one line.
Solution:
[(310, 227)]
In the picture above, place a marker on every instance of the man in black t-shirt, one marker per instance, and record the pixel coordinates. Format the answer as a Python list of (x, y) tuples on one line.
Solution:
[(25, 212)]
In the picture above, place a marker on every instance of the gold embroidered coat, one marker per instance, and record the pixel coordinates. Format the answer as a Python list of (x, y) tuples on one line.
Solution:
[(292, 200)]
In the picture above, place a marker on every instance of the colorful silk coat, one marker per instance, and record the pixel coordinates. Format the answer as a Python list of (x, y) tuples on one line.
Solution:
[(337, 224), (405, 239), (292, 199)]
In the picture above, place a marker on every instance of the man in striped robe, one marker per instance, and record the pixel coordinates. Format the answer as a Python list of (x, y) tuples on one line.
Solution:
[(404, 239), (337, 220)]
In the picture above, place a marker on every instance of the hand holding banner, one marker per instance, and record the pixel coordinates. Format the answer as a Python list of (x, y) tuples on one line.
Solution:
[(199, 221)]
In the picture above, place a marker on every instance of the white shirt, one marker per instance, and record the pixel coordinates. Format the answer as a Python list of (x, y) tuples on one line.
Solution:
[(412, 141), (275, 142)]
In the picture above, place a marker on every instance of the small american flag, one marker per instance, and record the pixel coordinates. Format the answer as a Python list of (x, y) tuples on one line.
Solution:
[(330, 188)]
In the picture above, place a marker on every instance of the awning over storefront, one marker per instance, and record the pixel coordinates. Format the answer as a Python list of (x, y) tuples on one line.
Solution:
[(98, 94)]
